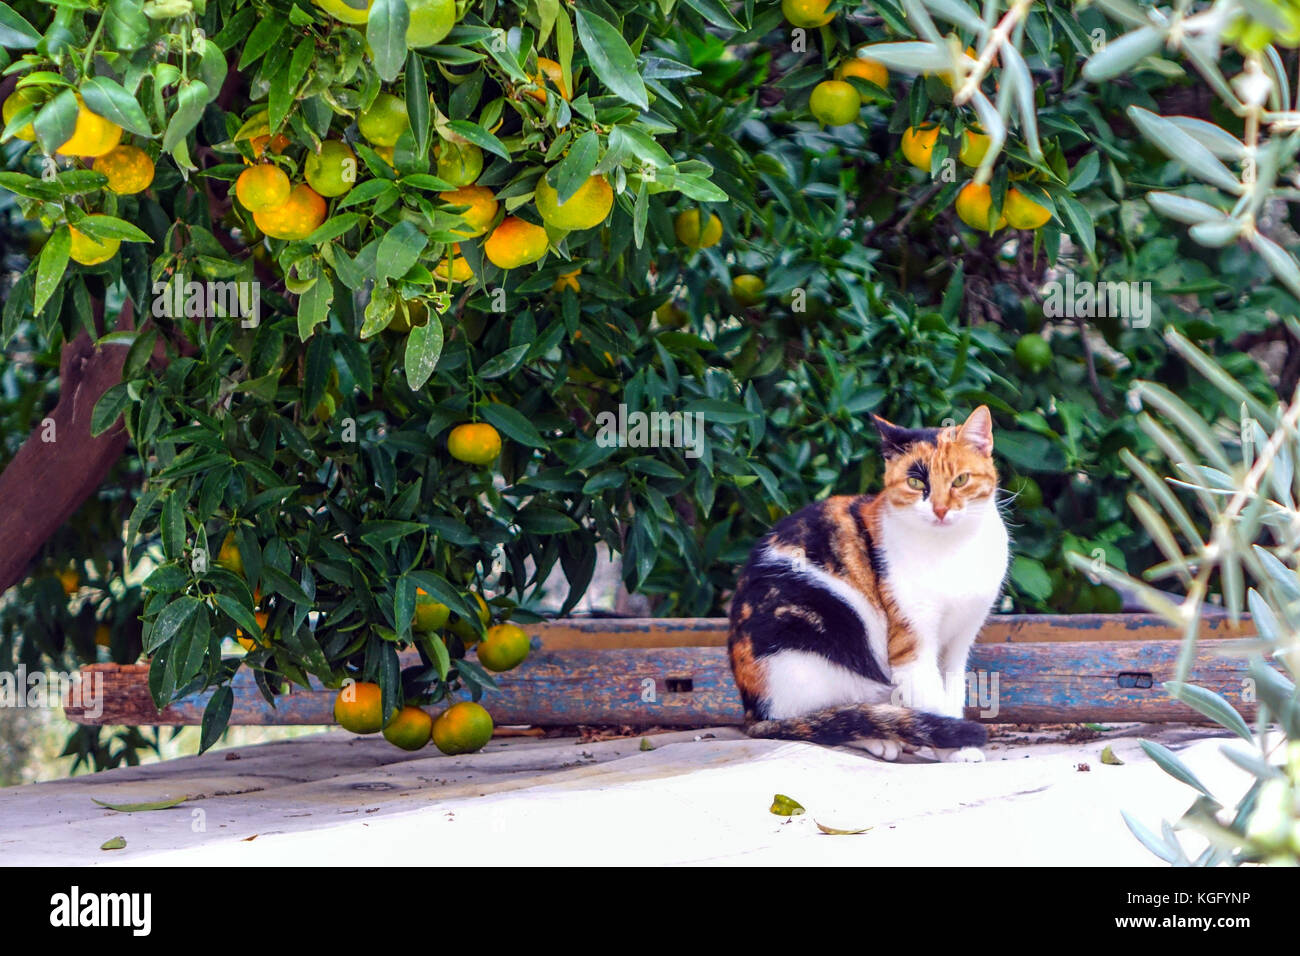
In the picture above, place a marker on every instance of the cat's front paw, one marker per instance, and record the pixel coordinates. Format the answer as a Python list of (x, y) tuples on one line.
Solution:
[(960, 755), (884, 749)]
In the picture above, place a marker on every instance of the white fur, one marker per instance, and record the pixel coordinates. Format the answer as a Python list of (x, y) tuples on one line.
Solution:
[(799, 682), (944, 577)]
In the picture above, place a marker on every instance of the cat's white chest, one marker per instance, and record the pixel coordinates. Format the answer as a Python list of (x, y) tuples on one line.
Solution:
[(944, 581)]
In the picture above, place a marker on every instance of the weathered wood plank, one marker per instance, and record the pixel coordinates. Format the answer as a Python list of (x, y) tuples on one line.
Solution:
[(596, 633), (684, 686)]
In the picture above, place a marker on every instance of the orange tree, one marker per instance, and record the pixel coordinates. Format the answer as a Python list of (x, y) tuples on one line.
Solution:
[(318, 309)]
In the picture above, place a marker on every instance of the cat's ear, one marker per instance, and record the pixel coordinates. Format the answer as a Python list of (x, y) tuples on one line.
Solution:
[(978, 430), (893, 440)]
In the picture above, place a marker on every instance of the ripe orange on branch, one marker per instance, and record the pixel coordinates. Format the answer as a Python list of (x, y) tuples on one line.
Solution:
[(90, 251), (296, 218), (477, 443), (92, 136), (20, 99), (515, 243), (587, 207), (690, 233), (385, 121), (462, 728), (128, 168), (481, 208), (359, 708), (409, 729), (262, 187)]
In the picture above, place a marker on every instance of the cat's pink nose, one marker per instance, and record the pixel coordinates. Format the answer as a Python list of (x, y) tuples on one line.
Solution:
[(940, 511)]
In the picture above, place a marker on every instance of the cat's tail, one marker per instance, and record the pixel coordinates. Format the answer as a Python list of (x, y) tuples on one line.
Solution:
[(839, 725)]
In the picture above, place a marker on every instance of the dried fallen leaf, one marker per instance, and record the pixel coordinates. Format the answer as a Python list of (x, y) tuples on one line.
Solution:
[(117, 843), (1082, 768), (250, 839), (1108, 757), (140, 807), (835, 831), (646, 744), (784, 806)]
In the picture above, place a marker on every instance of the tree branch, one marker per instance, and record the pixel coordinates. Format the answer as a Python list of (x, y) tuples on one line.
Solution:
[(61, 465)]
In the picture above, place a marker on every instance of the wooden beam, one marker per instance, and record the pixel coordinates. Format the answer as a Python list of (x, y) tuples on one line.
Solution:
[(610, 633), (1083, 681)]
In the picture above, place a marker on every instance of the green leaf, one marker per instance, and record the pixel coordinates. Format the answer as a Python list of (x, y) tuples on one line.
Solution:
[(314, 307), (190, 103), (141, 807), (417, 102), (103, 227), (107, 98), (239, 613), (15, 32), (1210, 704), (115, 843), (51, 266), (386, 34), (216, 716), (109, 409), (168, 623), (479, 137), (514, 425), (539, 519), (423, 349), (575, 169), (1170, 764), (611, 58), (784, 806), (56, 121), (399, 250), (1031, 578), (503, 364)]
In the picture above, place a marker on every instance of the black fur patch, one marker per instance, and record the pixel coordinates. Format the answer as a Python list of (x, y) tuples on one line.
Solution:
[(919, 469), (841, 725), (895, 440)]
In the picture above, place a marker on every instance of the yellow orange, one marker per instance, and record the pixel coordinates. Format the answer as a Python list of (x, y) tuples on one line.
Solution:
[(128, 168), (481, 208), (690, 233), (863, 69), (975, 208), (504, 648), (476, 442), (551, 72), (462, 728), (359, 708), (1023, 213), (17, 100), (88, 250), (807, 13), (296, 218), (918, 145), (587, 207), (263, 186), (515, 243), (92, 136), (409, 729)]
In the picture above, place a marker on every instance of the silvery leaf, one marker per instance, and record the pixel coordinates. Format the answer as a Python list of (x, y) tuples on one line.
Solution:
[(1214, 138), (1184, 209), (1279, 261), (1120, 56), (908, 57), (1182, 148)]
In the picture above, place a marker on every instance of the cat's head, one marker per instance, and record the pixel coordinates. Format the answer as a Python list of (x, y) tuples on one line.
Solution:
[(937, 477)]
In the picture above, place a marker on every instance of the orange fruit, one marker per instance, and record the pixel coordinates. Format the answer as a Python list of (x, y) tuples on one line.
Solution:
[(587, 207), (863, 69), (277, 144), (568, 280), (128, 168), (807, 13), (747, 289), (358, 707), (974, 147), (409, 729), (462, 728), (296, 218), (431, 21), (454, 268), (333, 170), (975, 208), (918, 145), (480, 208), (89, 251), (1023, 213), (476, 442), (17, 100), (552, 72), (384, 121), (834, 103), (504, 648), (429, 614), (458, 163), (689, 232), (248, 643), (229, 557), (515, 243), (92, 136), (70, 580), (264, 186)]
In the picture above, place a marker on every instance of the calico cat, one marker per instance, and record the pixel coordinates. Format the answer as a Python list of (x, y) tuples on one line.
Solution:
[(857, 604)]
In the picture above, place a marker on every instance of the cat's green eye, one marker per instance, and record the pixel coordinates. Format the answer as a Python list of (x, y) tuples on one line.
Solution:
[(961, 479), (915, 483)]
